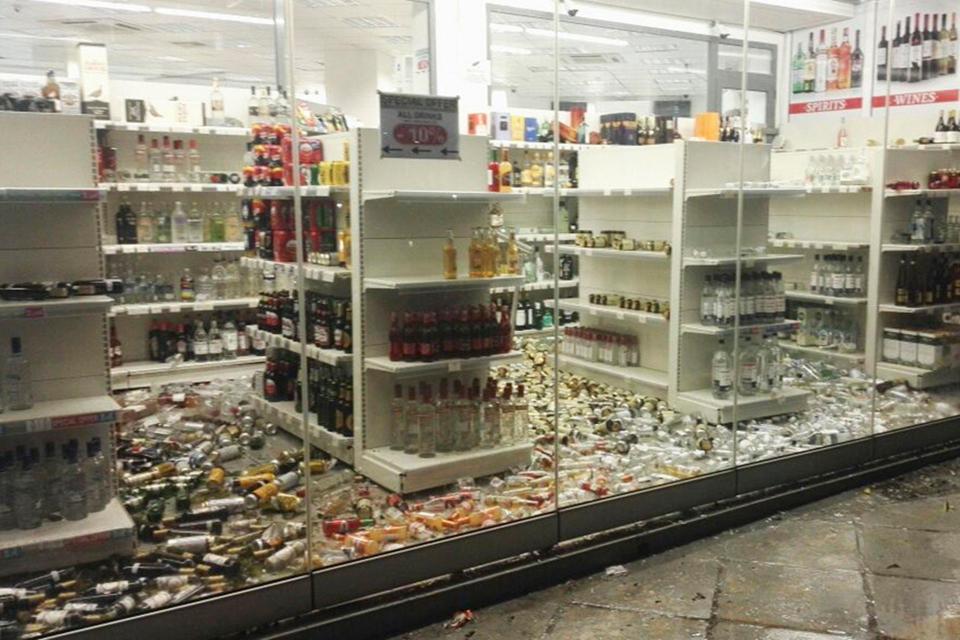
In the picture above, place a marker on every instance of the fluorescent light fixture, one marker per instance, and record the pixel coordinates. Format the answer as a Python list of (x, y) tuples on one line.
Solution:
[(519, 51), (211, 15), (6, 34), (578, 37), (101, 4), (505, 28), (696, 72)]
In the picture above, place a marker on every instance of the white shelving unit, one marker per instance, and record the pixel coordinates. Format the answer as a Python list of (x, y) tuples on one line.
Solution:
[(174, 129), (65, 340), (315, 272), (154, 308), (170, 187), (173, 247), (824, 299), (331, 357), (586, 310), (290, 420), (609, 253), (428, 283), (142, 374), (638, 375), (546, 285)]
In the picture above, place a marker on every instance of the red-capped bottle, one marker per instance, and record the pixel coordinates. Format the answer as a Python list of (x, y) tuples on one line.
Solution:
[(396, 338), (411, 337)]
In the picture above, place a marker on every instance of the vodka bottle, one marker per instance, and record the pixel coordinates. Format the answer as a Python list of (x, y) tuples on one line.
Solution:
[(201, 346), (218, 277), (411, 439), (193, 163), (161, 226), (204, 287), (229, 340), (194, 224), (17, 379), (721, 368), (145, 231), (815, 275), (27, 498), (179, 225), (217, 116), (398, 417), (169, 161), (53, 471), (445, 417), (180, 169), (749, 375), (427, 424), (97, 474), (74, 484), (724, 302), (521, 415), (490, 419), (217, 225), (141, 166), (507, 416), (232, 287), (708, 302), (838, 278), (155, 156), (7, 471), (774, 363), (214, 342)]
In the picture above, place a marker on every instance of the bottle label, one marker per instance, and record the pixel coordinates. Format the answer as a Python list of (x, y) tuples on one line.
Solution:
[(882, 56), (916, 55), (748, 375), (216, 347), (230, 341), (851, 282), (927, 49), (837, 282), (833, 69), (722, 378)]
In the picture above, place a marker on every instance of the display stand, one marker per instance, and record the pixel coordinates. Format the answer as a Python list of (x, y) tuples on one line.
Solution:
[(53, 234)]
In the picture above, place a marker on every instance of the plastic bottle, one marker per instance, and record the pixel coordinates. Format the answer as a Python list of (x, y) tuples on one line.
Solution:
[(708, 302)]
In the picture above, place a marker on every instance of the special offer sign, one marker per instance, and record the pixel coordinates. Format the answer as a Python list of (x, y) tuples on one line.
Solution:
[(413, 126)]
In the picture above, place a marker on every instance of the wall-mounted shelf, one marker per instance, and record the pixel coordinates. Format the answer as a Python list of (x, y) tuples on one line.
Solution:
[(286, 193), (44, 195), (175, 129), (932, 248), (714, 330), (939, 146), (173, 247), (67, 543), (746, 261), (839, 189), (824, 354), (170, 187), (154, 308), (290, 420), (147, 373), (326, 356), (438, 283), (818, 245), (608, 253), (621, 192), (56, 415), (748, 192), (806, 296), (701, 402), (452, 365), (538, 146), (314, 272), (920, 193), (932, 308), (585, 309), (405, 472), (546, 285), (916, 377), (545, 236), (65, 308), (439, 196), (642, 375)]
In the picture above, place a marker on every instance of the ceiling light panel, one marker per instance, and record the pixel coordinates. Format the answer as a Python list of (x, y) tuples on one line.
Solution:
[(213, 15), (101, 4)]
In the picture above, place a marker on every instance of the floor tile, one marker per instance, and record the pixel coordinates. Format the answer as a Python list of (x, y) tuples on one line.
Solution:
[(582, 623), (916, 609), (808, 543), (910, 553), (930, 514), (733, 631)]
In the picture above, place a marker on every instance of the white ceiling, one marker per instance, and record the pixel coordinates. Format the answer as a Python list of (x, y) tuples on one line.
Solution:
[(36, 36), (647, 67)]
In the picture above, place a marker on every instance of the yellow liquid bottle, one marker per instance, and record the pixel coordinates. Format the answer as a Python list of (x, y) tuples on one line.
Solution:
[(344, 242), (506, 173), (536, 171), (449, 258), (492, 266), (475, 255), (526, 175), (513, 255)]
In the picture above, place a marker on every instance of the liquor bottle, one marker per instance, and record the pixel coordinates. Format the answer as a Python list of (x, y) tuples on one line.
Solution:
[(74, 485), (449, 257), (915, 68), (536, 171), (856, 63), (116, 349), (195, 224), (493, 173), (155, 156), (17, 379), (411, 337), (833, 62), (145, 232), (26, 491), (506, 172), (897, 56), (263, 105), (953, 127), (708, 302), (230, 339), (126, 223), (844, 62), (253, 103), (214, 342), (344, 243), (398, 414), (507, 415), (936, 50), (194, 173), (411, 442), (842, 137), (513, 255), (882, 55), (749, 375), (940, 131), (951, 53), (141, 166), (926, 48), (179, 225), (180, 162), (217, 225), (169, 161), (97, 472), (217, 116), (426, 424), (721, 368), (475, 254), (810, 68), (52, 471)]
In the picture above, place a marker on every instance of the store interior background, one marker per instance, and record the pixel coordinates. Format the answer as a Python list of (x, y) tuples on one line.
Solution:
[(652, 58)]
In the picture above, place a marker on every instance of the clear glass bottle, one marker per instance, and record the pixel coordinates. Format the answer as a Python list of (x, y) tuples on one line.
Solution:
[(17, 379), (201, 346), (179, 225), (508, 418), (411, 436), (427, 424), (96, 471), (490, 412), (398, 416), (145, 231), (204, 287), (74, 484), (748, 377), (721, 368), (449, 257), (233, 288), (218, 277), (161, 226), (217, 225), (445, 419), (195, 224), (708, 302), (214, 342), (8, 470), (155, 156), (26, 492), (53, 471), (141, 167), (229, 339)]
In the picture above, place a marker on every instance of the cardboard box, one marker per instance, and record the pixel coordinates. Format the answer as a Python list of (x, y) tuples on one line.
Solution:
[(94, 80), (501, 126), (517, 124), (530, 129)]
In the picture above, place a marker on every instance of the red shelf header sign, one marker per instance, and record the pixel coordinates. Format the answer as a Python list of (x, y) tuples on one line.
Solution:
[(826, 106), (918, 98)]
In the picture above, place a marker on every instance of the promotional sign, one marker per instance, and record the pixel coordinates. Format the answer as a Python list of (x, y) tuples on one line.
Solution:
[(827, 68), (919, 52), (94, 80), (414, 126)]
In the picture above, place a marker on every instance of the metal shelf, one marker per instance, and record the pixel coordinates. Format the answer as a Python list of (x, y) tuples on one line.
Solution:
[(608, 253), (314, 272), (450, 197), (154, 308), (58, 308), (894, 247), (67, 543), (933, 308), (825, 354), (917, 377), (139, 127), (747, 261), (170, 187), (839, 189), (406, 473), (714, 330), (539, 146), (546, 236), (822, 299), (55, 415), (290, 420), (620, 192), (384, 363), (327, 356), (748, 192), (546, 285), (938, 146), (701, 402), (50, 194), (144, 373), (286, 193), (413, 283), (818, 245), (173, 247), (642, 375), (587, 309), (920, 193)]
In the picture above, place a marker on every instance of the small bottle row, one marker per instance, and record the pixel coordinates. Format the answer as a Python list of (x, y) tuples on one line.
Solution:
[(926, 279), (760, 370), (270, 229), (68, 484), (457, 332), (829, 329), (619, 241), (423, 424), (607, 347), (225, 280), (329, 319), (224, 338), (762, 299), (171, 160), (648, 305), (927, 347), (155, 225), (838, 275)]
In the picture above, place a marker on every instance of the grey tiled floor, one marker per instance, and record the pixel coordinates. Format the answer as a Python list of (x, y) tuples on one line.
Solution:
[(878, 563)]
